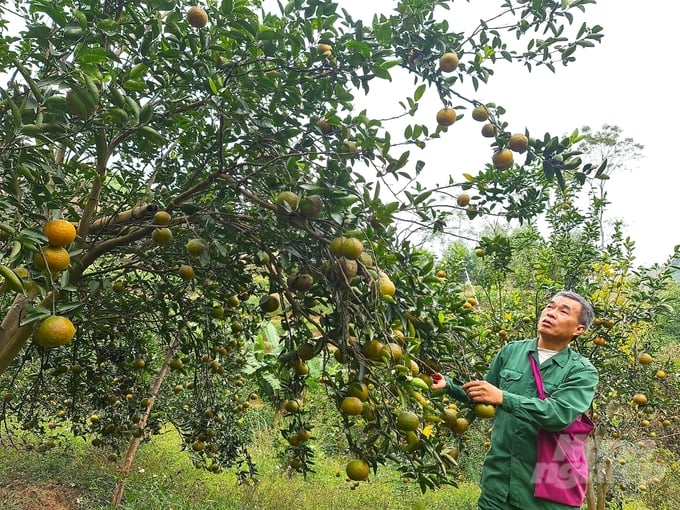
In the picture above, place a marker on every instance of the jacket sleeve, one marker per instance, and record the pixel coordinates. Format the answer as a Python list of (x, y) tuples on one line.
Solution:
[(492, 376), (559, 410)]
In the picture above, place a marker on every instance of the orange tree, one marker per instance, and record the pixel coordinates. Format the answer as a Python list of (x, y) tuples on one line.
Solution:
[(232, 230), (637, 397)]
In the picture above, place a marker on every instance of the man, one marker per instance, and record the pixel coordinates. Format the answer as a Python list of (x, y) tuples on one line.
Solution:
[(569, 380)]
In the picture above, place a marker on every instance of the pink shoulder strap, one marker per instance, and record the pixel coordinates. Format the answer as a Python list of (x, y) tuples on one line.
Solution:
[(537, 376)]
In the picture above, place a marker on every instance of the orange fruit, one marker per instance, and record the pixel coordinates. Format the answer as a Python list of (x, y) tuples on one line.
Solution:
[(357, 470), (386, 286), (373, 348), (59, 232), (393, 351), (195, 247), (311, 206), (197, 17), (446, 116), (324, 49), (480, 113), (518, 143), (162, 218), (463, 200), (306, 351), (502, 159), (351, 406), (599, 340), (186, 272), (441, 274), (287, 200), (161, 235), (324, 126), (484, 410), (448, 62), (645, 358), (351, 248), (358, 389), (269, 304), (460, 425), (336, 246), (291, 406), (54, 331), (640, 399), (57, 259), (408, 421), (488, 130)]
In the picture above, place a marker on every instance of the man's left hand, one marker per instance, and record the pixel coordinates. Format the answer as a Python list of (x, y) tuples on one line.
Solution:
[(482, 392)]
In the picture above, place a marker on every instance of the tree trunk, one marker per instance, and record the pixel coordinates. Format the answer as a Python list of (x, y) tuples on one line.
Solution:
[(136, 441), (604, 486)]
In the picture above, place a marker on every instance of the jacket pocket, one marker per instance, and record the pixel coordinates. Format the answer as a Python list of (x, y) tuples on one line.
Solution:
[(510, 378)]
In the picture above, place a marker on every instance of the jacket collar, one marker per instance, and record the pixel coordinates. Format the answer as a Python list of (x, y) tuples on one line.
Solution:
[(560, 358)]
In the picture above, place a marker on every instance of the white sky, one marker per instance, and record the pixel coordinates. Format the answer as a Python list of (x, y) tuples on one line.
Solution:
[(628, 80)]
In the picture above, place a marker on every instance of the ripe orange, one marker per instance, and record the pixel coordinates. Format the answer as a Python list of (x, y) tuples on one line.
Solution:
[(311, 206), (306, 351), (57, 259), (408, 421), (269, 304), (385, 286), (448, 62), (351, 248), (480, 113), (186, 272), (196, 246), (518, 143), (162, 218), (324, 49), (358, 389), (460, 426), (197, 17), (336, 246), (502, 159), (645, 358), (287, 200), (441, 274), (373, 348), (324, 126), (291, 406), (161, 235), (54, 331), (59, 232), (351, 406), (357, 470), (392, 351), (463, 200), (640, 399), (599, 340), (484, 410), (488, 130), (446, 116)]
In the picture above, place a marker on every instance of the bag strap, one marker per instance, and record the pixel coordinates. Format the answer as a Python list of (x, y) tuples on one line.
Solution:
[(537, 376)]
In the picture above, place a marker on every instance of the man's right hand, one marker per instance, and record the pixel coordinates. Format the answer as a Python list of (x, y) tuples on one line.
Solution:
[(438, 381)]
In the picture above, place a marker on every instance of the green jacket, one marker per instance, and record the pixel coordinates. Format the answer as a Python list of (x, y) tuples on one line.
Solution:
[(569, 379)]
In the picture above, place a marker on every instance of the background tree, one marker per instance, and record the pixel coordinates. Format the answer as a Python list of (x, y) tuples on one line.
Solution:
[(223, 227)]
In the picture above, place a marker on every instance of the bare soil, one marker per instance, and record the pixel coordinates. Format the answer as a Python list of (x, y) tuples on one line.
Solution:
[(56, 496)]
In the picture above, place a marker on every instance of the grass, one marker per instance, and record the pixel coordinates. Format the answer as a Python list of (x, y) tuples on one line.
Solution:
[(76, 476), (163, 478)]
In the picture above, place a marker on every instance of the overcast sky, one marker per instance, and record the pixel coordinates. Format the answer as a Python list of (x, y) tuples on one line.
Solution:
[(628, 81)]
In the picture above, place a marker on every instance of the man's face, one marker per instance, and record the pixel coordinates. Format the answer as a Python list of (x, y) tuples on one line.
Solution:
[(559, 319)]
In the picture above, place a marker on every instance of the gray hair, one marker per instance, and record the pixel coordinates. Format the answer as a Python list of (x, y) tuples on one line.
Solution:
[(587, 314)]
